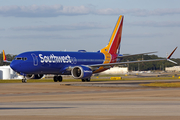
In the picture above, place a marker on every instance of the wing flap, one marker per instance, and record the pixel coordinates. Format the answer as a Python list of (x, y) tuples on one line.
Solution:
[(129, 62)]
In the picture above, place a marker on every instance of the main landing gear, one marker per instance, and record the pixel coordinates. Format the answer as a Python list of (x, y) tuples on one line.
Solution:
[(86, 80), (57, 78)]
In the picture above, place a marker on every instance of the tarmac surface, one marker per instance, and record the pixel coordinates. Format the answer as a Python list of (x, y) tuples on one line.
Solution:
[(113, 100)]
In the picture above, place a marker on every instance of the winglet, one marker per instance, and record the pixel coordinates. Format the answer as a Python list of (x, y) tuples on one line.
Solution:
[(171, 53), (168, 58)]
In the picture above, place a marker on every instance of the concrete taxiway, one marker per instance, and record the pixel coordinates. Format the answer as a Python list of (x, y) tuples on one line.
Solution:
[(81, 101)]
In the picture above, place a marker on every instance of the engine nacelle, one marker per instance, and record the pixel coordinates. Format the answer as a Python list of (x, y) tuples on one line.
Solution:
[(34, 76), (81, 72)]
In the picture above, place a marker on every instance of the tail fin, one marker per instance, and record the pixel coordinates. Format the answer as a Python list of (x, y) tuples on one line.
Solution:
[(115, 40), (4, 56)]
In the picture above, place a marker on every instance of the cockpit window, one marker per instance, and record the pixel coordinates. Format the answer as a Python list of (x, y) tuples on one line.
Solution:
[(18, 58), (24, 58), (21, 58)]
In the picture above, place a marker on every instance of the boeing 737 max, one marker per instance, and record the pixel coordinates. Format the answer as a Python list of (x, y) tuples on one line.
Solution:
[(81, 64)]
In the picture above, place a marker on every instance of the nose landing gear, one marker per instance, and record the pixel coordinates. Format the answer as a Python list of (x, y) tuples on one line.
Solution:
[(24, 80)]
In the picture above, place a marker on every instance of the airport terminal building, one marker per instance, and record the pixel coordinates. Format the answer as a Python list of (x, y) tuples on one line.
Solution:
[(7, 73), (173, 69)]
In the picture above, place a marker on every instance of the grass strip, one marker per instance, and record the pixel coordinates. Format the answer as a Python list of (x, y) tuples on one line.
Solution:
[(159, 84)]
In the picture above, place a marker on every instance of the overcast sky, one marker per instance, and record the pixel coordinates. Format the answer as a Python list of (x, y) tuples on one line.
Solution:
[(53, 25)]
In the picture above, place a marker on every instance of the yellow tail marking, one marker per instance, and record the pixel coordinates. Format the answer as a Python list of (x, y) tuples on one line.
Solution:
[(4, 56), (106, 49)]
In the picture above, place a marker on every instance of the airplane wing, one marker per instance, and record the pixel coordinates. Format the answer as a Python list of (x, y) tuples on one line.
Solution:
[(135, 54), (129, 62)]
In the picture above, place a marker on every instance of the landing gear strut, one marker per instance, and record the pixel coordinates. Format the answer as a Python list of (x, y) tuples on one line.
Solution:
[(57, 78), (86, 80)]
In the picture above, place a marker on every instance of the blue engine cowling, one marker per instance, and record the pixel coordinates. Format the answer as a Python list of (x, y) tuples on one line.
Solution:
[(81, 72)]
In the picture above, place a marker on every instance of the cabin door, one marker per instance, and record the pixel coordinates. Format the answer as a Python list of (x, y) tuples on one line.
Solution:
[(35, 59)]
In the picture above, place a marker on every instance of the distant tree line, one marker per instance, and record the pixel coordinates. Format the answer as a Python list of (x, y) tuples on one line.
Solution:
[(160, 65)]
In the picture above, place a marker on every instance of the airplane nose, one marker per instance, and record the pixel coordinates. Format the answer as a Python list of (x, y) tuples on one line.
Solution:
[(13, 65)]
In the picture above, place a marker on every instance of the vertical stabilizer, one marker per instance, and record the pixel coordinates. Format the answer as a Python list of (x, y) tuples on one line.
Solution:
[(113, 46), (4, 56)]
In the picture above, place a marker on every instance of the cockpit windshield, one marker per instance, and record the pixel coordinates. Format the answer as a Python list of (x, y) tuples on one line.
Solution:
[(21, 58)]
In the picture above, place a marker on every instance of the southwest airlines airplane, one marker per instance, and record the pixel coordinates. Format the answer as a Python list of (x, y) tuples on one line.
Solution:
[(81, 65)]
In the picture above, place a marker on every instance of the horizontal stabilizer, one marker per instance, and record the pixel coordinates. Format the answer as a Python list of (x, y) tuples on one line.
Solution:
[(171, 61)]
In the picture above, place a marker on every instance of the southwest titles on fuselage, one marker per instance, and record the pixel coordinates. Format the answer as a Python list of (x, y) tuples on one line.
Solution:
[(55, 59)]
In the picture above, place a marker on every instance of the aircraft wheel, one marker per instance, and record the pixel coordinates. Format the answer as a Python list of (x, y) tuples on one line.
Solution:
[(59, 78), (24, 80), (55, 78), (88, 79), (83, 80)]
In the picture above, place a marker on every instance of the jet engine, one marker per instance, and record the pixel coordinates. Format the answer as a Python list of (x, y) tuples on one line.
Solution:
[(34, 76), (81, 72)]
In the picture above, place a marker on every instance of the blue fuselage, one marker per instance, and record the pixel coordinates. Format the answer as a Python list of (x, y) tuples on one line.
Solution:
[(53, 62)]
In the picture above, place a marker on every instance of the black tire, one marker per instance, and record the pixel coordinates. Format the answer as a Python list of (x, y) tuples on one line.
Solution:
[(25, 81), (55, 78), (88, 79), (83, 80), (59, 78)]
